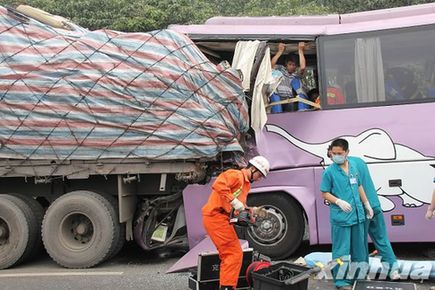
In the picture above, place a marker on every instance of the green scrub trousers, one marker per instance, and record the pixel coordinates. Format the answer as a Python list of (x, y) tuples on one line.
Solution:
[(349, 240), (378, 233)]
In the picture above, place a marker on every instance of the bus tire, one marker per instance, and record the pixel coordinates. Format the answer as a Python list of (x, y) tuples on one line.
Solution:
[(14, 232), (79, 229), (279, 235)]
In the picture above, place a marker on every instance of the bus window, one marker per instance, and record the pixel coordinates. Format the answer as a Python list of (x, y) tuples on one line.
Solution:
[(378, 68), (337, 71), (408, 64)]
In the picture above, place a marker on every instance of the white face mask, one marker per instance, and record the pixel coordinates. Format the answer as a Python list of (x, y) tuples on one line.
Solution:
[(339, 159)]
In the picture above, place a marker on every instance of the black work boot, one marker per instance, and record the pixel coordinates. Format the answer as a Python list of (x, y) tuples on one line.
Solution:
[(226, 288)]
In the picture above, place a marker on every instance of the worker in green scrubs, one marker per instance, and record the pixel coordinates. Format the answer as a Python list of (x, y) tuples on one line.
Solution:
[(341, 187), (376, 226)]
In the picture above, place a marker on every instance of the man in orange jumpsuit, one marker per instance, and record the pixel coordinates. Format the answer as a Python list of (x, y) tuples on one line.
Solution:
[(230, 191)]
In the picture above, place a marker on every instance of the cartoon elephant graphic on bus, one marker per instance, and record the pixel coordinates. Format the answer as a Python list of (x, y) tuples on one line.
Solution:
[(396, 170)]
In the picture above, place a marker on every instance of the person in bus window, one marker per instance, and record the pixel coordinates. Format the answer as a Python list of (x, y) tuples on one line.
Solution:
[(291, 84), (314, 96), (393, 90), (401, 84), (349, 206)]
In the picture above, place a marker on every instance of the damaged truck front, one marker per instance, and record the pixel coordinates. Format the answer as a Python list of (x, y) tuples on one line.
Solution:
[(100, 131)]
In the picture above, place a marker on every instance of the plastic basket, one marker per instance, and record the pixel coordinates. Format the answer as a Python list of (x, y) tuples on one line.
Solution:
[(279, 276)]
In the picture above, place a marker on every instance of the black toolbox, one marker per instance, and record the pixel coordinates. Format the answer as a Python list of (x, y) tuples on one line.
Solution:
[(207, 275), (281, 276)]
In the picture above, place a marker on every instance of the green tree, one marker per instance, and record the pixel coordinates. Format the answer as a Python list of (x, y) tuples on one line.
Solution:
[(282, 8), (122, 15), (184, 11)]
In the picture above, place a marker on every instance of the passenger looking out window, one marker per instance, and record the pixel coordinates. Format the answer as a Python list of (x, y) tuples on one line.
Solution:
[(291, 84)]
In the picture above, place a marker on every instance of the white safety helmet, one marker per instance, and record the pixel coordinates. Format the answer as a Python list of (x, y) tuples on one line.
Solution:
[(261, 163)]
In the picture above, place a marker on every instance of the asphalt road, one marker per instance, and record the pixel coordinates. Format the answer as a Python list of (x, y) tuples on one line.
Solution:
[(135, 269)]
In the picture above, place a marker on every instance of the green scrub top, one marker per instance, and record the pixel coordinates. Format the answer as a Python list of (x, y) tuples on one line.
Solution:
[(366, 181), (345, 187)]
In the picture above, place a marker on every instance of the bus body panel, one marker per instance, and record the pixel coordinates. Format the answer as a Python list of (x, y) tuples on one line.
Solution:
[(397, 150), (285, 27), (381, 14), (309, 134)]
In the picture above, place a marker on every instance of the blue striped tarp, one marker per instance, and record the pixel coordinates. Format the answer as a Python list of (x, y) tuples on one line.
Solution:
[(108, 94)]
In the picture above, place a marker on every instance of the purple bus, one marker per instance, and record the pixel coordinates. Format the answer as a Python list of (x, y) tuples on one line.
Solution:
[(375, 72)]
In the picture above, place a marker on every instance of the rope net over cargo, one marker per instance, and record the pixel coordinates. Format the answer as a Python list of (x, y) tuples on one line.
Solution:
[(107, 94)]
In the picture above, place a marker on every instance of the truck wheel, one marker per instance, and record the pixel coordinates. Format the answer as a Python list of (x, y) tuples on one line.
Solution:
[(281, 233), (14, 232), (79, 229), (119, 240), (34, 227), (36, 219)]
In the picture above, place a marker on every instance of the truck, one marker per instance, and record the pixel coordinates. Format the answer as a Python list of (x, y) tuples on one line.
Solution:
[(100, 132)]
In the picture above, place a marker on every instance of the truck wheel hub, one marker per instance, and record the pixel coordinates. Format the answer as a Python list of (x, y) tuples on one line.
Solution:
[(77, 229)]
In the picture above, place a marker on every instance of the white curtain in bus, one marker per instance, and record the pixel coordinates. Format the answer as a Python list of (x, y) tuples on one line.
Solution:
[(259, 96), (243, 60), (369, 70)]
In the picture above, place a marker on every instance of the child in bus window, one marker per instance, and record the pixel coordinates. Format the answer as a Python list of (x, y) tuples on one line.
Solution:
[(291, 84), (313, 96)]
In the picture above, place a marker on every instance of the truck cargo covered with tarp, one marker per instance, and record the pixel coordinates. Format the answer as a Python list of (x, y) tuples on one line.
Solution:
[(92, 95)]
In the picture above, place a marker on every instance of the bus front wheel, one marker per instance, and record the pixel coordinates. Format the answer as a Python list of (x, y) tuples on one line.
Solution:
[(281, 233)]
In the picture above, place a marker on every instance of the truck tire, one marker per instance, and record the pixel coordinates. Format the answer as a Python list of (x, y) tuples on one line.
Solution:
[(14, 232), (279, 235), (34, 228), (79, 229), (119, 240), (37, 216)]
